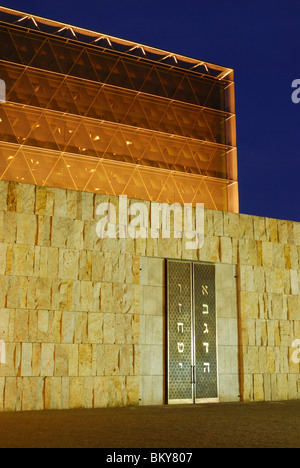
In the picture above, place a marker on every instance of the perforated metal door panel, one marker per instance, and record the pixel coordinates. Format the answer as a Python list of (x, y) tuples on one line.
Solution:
[(179, 279)]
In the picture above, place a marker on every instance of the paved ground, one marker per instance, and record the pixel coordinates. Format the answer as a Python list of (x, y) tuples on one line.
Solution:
[(210, 425)]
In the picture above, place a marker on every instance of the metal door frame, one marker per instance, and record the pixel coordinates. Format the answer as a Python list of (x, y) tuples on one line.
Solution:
[(192, 400)]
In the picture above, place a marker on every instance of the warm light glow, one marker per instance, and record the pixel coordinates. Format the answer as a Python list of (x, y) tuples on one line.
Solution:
[(157, 127)]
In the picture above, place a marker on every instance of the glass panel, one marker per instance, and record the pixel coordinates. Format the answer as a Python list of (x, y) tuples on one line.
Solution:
[(128, 125)]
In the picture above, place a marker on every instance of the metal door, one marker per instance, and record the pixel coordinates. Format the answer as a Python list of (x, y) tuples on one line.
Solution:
[(192, 332)]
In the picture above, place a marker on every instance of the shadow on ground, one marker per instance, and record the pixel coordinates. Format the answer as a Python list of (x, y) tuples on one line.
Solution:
[(232, 425)]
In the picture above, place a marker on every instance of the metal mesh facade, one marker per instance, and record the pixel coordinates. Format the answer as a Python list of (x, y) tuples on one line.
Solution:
[(94, 113)]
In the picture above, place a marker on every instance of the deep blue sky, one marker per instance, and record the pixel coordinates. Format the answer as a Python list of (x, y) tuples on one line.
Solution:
[(259, 39)]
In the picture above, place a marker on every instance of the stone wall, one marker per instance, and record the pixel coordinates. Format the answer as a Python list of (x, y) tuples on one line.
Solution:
[(83, 318)]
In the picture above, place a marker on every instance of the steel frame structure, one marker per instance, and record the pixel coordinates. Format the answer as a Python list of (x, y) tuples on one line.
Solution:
[(91, 112)]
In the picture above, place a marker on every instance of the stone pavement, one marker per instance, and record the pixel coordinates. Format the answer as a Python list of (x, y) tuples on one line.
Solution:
[(245, 425)]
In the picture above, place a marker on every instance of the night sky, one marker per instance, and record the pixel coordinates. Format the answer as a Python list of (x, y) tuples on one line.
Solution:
[(260, 40)]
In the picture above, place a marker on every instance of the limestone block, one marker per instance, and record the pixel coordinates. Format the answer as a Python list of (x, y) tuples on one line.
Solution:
[(36, 359), (26, 229), (61, 360), (75, 237), (3, 194), (4, 281), (267, 387), (278, 255), (262, 360), (246, 227), (157, 330), (88, 392), (4, 324), (136, 269), (41, 294), (1, 225), (47, 359), (73, 204), (248, 252), (26, 198), (152, 247), (41, 199), (293, 304), (122, 325), (12, 196), (249, 304), (260, 231), (29, 394), (247, 387), (282, 231), (294, 282), (85, 355), (246, 277), (12, 395), (218, 223), (90, 293), (293, 391), (157, 390), (23, 260), (126, 360), (279, 309), (155, 271), (225, 250), (60, 203), (10, 220), (55, 326), (3, 250), (109, 332), (87, 203), (26, 360), (76, 392), (145, 391), (210, 251), (231, 224), (140, 246), (111, 359), (126, 302), (296, 229), (52, 393), (95, 328), (41, 325), (286, 332), (270, 356), (259, 279), (272, 229), (258, 387), (13, 298), (116, 391), (21, 326), (68, 264), (132, 390), (85, 265), (267, 254), (152, 300), (98, 264), (73, 355), (282, 387), (68, 327), (100, 392)]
